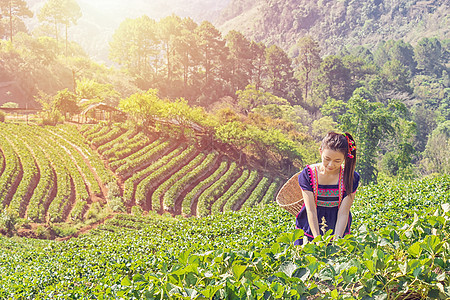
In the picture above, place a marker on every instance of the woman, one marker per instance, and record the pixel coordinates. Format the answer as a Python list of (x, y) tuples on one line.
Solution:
[(325, 188)]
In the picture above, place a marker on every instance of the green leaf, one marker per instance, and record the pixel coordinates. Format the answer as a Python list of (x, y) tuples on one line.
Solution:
[(432, 244), (284, 238), (288, 268), (297, 234), (125, 281), (415, 249), (370, 265), (210, 291), (417, 272), (238, 270), (302, 273), (184, 256), (139, 278)]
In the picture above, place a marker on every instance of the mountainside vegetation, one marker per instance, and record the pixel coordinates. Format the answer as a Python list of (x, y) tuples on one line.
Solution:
[(335, 24), (392, 97)]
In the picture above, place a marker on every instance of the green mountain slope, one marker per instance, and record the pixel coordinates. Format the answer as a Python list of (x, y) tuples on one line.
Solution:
[(336, 23)]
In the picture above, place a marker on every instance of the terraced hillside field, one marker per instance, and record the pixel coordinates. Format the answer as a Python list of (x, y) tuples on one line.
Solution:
[(165, 175), (49, 173), (56, 173)]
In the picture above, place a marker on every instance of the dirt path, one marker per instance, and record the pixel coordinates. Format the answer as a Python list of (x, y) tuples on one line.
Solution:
[(87, 228)]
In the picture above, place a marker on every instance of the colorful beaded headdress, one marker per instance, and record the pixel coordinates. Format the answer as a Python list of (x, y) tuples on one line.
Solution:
[(351, 146)]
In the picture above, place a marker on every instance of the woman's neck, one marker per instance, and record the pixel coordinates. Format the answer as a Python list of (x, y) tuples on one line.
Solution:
[(325, 172)]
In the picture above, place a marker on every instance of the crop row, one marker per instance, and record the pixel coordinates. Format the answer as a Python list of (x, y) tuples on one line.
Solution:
[(12, 170), (155, 178), (131, 146), (102, 130), (209, 196), (105, 138), (114, 144), (132, 182), (76, 140), (142, 158), (61, 203), (79, 161), (170, 181), (269, 196), (30, 171), (240, 195), (188, 201), (219, 204), (43, 193), (181, 180), (258, 193)]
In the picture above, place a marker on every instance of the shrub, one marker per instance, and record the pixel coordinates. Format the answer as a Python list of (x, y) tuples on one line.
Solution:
[(137, 211), (94, 211), (116, 204), (8, 221), (2, 116), (52, 118)]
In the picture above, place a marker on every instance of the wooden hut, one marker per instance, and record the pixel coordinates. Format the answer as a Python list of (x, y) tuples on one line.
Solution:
[(101, 112)]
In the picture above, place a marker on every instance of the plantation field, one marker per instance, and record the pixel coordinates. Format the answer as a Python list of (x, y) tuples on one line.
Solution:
[(398, 249), (62, 173)]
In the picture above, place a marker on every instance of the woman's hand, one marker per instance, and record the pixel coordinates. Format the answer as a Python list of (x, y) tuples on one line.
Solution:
[(311, 212), (343, 213)]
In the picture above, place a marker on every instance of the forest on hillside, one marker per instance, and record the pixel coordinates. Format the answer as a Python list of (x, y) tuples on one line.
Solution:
[(394, 97), (336, 23)]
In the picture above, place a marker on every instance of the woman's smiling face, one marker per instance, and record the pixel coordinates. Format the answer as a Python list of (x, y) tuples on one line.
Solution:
[(331, 160)]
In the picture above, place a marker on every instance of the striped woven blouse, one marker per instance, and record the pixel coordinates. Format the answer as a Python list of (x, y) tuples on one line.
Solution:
[(327, 195)]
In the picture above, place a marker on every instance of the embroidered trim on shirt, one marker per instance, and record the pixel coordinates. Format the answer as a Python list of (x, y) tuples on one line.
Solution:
[(327, 203)]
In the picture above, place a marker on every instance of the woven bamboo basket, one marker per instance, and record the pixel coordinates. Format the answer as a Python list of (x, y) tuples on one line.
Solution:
[(290, 196)]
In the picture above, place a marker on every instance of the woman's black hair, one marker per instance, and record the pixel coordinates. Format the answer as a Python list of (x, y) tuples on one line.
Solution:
[(338, 142)]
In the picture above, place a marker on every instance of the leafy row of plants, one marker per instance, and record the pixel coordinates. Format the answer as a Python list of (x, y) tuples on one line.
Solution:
[(110, 135), (258, 193), (47, 182), (98, 132), (188, 201), (128, 148), (241, 194), (132, 182), (181, 179), (143, 158), (114, 145), (81, 165), (72, 135), (156, 177), (30, 171), (209, 196), (271, 192), (12, 168), (61, 203), (182, 169), (218, 205)]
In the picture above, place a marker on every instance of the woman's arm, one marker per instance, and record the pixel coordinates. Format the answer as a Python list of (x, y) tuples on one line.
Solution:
[(311, 212), (342, 217)]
